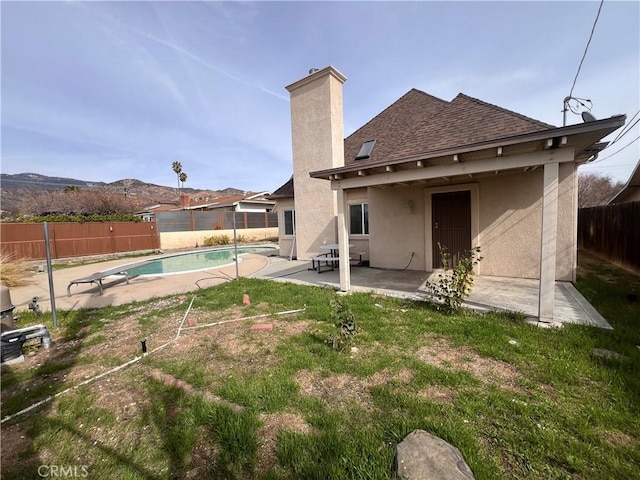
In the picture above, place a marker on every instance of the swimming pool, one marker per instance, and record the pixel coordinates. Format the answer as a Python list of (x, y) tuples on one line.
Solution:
[(194, 261)]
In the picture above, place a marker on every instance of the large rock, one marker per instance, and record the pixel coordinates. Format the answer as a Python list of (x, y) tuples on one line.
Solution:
[(422, 456)]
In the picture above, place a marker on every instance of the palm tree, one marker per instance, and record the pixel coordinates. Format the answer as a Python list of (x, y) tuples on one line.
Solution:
[(177, 169), (183, 178)]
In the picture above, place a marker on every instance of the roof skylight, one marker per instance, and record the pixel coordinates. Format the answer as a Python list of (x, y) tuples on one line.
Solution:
[(366, 149)]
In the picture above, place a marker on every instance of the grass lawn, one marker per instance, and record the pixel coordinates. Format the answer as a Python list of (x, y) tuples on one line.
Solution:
[(229, 402)]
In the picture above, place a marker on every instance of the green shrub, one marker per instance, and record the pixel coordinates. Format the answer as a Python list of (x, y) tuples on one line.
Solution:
[(217, 240), (345, 323), (453, 284), (80, 218)]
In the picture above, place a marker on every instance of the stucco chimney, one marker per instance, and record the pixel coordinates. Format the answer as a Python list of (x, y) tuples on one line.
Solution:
[(317, 131)]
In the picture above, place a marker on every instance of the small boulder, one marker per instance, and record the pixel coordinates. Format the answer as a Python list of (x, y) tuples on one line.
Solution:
[(608, 354), (422, 456)]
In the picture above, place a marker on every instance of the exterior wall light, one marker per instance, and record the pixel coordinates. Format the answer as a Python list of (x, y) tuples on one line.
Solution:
[(408, 206)]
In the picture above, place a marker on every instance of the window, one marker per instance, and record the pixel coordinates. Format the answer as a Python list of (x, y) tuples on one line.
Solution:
[(359, 219), (366, 149), (289, 222)]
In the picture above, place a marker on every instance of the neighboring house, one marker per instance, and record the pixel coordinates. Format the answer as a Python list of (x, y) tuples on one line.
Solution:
[(247, 202), (148, 214), (631, 191), (425, 171)]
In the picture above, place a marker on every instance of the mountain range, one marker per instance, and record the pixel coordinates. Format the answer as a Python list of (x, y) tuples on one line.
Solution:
[(14, 187)]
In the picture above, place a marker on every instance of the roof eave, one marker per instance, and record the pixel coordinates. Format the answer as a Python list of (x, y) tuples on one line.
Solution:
[(610, 124)]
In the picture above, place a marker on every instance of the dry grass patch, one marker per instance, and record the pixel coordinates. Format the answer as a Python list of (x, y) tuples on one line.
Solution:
[(617, 439), (342, 390), (438, 394), (442, 354), (273, 425), (14, 272)]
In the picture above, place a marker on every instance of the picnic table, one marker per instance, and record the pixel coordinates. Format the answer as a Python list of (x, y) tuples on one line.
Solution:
[(331, 259)]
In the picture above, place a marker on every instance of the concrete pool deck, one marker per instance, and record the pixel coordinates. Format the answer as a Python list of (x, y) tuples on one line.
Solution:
[(115, 289), (489, 293)]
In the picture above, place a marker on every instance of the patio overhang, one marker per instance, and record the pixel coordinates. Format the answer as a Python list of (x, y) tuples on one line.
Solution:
[(520, 152), (545, 149)]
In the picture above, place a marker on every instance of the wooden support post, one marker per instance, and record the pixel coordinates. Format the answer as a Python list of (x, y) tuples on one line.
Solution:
[(343, 242), (548, 242)]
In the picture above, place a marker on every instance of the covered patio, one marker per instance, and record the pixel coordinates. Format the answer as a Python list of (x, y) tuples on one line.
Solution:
[(489, 293)]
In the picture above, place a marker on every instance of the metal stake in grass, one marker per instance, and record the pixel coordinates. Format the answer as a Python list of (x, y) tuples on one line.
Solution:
[(235, 241), (52, 295)]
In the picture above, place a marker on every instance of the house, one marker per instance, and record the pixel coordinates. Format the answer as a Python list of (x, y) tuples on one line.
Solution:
[(148, 213), (244, 202), (462, 173), (631, 191)]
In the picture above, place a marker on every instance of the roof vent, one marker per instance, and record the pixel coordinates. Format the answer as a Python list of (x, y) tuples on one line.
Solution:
[(313, 70), (366, 149)]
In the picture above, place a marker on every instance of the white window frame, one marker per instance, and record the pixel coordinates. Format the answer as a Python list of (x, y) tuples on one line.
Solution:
[(363, 224), (293, 221)]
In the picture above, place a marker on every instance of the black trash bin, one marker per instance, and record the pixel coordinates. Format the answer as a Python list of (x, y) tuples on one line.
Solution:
[(11, 345), (7, 321)]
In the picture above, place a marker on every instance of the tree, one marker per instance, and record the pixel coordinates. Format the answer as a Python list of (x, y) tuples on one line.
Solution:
[(182, 178), (595, 189), (177, 169), (100, 201)]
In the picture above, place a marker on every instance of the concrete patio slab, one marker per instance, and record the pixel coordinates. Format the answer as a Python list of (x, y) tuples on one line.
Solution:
[(489, 293)]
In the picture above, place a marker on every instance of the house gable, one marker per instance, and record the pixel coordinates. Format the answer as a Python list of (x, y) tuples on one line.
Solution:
[(419, 123), (411, 111)]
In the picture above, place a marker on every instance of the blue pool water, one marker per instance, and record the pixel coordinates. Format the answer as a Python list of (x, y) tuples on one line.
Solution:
[(190, 262)]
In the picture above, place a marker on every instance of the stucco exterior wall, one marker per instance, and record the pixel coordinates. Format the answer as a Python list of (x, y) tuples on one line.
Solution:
[(360, 242), (567, 243), (506, 222), (511, 224), (285, 241), (171, 240), (317, 144), (394, 233)]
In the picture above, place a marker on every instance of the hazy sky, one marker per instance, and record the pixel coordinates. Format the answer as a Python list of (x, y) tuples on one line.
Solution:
[(103, 91)]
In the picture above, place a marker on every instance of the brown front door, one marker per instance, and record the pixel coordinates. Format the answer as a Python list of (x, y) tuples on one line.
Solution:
[(451, 224)]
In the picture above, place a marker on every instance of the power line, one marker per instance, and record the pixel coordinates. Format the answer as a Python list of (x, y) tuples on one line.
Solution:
[(586, 48), (619, 137), (626, 129), (618, 151)]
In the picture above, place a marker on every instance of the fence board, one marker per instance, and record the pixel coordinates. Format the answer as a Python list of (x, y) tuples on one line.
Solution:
[(612, 232), (68, 239)]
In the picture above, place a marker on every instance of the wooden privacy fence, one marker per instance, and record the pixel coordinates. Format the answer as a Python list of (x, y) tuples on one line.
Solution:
[(612, 232), (67, 239), (190, 221)]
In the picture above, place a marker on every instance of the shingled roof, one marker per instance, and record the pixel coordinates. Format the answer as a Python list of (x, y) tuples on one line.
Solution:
[(420, 123), (419, 126), (285, 191)]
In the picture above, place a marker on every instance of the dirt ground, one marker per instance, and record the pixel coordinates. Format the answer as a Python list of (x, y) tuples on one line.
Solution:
[(227, 347)]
